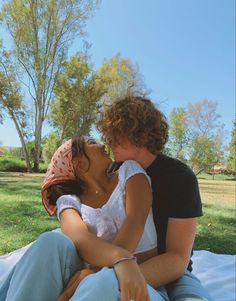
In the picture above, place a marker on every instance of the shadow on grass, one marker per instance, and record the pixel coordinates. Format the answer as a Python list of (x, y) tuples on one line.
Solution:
[(221, 245), (30, 208), (19, 188)]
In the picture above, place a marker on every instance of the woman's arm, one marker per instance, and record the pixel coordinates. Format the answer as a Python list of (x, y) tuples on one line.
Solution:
[(138, 201), (98, 252), (90, 247)]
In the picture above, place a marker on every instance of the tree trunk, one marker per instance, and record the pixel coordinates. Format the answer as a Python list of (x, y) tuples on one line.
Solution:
[(199, 171), (38, 127), (27, 158), (38, 138)]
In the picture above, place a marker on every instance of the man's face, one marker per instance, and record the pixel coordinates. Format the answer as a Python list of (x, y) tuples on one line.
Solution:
[(125, 150)]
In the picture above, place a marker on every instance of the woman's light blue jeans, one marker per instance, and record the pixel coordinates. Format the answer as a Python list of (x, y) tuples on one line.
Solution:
[(46, 267), (43, 271)]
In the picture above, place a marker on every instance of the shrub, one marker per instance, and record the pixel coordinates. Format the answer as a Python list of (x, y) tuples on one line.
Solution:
[(12, 164), (43, 167), (17, 165)]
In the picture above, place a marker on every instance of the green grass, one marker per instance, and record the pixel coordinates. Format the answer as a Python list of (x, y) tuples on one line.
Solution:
[(216, 177), (23, 218), (216, 229)]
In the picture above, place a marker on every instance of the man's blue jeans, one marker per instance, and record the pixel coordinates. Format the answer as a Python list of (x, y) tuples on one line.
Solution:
[(46, 267), (105, 287)]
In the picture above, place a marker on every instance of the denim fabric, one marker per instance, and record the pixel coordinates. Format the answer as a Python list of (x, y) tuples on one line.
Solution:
[(48, 264), (103, 286), (187, 288), (43, 271)]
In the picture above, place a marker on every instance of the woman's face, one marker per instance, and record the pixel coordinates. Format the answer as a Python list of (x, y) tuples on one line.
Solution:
[(97, 154)]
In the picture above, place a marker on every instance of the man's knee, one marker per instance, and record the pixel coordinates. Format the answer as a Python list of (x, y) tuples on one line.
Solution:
[(106, 278), (53, 242), (51, 238), (103, 281), (102, 285)]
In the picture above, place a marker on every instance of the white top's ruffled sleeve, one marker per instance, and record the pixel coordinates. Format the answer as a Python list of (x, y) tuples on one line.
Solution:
[(68, 201), (130, 168)]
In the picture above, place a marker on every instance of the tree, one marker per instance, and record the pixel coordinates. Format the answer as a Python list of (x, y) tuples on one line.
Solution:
[(232, 151), (203, 120), (11, 101), (77, 94), (51, 145), (178, 134), (41, 32), (206, 135), (204, 154), (1, 112), (80, 92), (120, 76)]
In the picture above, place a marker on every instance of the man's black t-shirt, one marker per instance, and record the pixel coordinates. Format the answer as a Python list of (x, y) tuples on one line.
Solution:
[(175, 194)]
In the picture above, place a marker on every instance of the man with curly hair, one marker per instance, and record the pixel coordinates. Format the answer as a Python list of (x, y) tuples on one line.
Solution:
[(136, 130)]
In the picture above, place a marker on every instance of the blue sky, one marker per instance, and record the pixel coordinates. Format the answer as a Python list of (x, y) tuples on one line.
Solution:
[(185, 50)]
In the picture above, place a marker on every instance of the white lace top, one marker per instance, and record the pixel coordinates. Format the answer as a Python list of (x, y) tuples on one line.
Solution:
[(106, 221)]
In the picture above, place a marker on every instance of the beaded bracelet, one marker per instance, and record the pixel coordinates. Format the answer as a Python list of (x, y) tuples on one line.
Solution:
[(124, 259)]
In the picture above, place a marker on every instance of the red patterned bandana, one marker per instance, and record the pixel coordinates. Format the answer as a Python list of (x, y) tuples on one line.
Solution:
[(59, 170)]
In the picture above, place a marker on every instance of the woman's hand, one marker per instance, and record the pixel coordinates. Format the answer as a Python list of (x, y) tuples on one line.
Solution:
[(132, 283), (73, 284)]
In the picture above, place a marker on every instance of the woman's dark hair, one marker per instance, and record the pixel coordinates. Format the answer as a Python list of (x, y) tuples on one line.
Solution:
[(75, 187)]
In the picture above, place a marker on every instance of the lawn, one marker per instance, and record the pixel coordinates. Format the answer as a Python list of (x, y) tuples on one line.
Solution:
[(23, 218), (216, 229)]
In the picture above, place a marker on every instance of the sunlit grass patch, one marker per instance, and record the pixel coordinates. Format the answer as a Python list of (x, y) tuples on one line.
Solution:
[(23, 218)]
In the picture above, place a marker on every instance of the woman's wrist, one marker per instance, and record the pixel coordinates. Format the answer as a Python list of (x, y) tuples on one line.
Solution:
[(125, 258), (119, 253)]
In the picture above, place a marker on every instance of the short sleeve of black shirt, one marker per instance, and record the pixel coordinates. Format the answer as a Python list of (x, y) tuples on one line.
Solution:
[(183, 197), (175, 194)]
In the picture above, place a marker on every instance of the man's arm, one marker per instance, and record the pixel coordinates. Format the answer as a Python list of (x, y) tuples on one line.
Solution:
[(171, 265)]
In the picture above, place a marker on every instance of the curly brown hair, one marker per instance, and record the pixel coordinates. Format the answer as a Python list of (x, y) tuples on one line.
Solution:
[(137, 119)]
